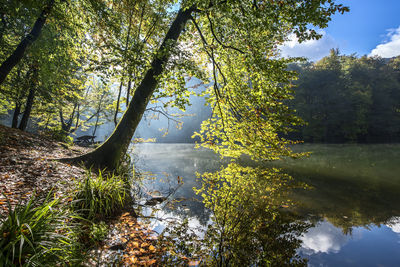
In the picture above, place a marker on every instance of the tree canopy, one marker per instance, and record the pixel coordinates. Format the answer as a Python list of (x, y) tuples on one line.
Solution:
[(349, 99), (151, 49)]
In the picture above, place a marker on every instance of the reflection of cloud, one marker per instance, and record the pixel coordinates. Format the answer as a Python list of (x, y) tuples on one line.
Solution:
[(390, 48), (160, 224), (311, 49), (324, 238), (394, 224)]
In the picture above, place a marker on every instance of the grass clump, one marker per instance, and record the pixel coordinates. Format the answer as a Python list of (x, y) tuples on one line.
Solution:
[(98, 232), (36, 234), (52, 232), (100, 196)]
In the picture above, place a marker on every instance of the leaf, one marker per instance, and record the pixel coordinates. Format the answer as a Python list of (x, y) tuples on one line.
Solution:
[(150, 262), (133, 259)]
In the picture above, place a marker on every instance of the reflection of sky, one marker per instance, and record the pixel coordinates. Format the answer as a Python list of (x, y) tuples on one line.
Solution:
[(323, 245), (324, 238), (164, 217), (326, 245), (394, 224)]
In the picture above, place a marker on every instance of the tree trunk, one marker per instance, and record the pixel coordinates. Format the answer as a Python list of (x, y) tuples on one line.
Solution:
[(128, 90), (109, 154), (17, 111), (28, 108), (96, 125), (19, 52), (118, 99)]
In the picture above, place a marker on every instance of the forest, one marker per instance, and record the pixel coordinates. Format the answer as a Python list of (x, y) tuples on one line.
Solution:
[(348, 99), (237, 197)]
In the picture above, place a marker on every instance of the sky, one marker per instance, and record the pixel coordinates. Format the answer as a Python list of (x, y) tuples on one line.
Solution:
[(372, 27)]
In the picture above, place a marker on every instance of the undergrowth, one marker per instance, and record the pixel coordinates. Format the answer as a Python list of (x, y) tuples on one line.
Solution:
[(54, 232), (99, 196), (38, 233)]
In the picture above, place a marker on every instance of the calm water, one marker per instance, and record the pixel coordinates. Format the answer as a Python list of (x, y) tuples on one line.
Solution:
[(354, 203)]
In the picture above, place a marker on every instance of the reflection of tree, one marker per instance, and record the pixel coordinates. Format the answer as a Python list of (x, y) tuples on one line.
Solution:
[(250, 226), (349, 202)]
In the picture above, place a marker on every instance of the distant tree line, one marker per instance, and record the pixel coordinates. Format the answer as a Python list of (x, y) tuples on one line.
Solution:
[(348, 99)]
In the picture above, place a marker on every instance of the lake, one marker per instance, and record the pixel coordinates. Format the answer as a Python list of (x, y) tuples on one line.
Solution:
[(353, 202)]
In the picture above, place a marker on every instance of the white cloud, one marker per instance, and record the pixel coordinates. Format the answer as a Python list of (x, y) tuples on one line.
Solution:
[(324, 238), (394, 224), (312, 49), (390, 48)]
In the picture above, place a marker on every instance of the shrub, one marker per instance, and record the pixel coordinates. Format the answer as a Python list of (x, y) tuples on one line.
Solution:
[(35, 234), (99, 196), (98, 232)]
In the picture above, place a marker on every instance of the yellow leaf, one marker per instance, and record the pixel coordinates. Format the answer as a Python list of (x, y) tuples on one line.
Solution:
[(150, 262), (133, 259)]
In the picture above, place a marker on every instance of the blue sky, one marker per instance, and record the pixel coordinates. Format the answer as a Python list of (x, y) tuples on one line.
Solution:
[(372, 27)]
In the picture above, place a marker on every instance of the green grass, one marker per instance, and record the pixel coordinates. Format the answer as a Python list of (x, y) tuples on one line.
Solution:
[(100, 196), (37, 234), (50, 232)]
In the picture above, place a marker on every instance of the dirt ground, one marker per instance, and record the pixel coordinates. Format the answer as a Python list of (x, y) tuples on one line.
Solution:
[(28, 165)]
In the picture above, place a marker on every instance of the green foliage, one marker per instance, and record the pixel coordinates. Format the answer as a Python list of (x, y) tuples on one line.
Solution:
[(98, 232), (249, 82), (100, 196), (37, 234), (250, 226), (233, 43), (252, 223), (3, 106), (59, 135), (349, 99)]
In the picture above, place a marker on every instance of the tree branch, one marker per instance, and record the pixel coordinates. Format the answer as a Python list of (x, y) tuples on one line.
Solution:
[(218, 41)]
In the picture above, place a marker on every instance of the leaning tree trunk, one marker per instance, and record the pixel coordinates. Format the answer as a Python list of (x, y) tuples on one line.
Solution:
[(109, 154), (19, 52)]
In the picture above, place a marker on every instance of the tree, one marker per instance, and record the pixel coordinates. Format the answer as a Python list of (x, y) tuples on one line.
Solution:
[(19, 51), (348, 99), (48, 72), (240, 40)]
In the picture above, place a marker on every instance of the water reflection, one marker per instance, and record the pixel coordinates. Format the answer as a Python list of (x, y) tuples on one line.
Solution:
[(249, 221), (355, 212), (394, 224), (324, 237)]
